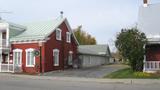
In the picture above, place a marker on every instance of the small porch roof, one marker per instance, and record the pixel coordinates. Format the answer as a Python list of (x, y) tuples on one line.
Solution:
[(153, 41)]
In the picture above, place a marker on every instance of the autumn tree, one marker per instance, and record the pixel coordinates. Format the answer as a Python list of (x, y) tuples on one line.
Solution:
[(83, 37), (130, 43)]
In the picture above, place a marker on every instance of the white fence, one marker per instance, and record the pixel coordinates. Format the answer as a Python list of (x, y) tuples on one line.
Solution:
[(6, 67), (152, 66)]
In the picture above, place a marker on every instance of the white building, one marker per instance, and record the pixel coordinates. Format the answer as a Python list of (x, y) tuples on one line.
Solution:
[(93, 55)]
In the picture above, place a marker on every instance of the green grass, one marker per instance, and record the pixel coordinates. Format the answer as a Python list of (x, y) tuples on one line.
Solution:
[(128, 73)]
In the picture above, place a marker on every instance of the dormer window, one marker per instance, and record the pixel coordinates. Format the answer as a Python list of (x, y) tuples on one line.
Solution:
[(58, 34), (68, 37)]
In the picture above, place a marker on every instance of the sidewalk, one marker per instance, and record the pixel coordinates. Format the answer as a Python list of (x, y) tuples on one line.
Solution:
[(75, 79)]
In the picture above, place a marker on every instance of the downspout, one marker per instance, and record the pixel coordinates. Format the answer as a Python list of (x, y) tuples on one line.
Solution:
[(144, 60), (63, 51)]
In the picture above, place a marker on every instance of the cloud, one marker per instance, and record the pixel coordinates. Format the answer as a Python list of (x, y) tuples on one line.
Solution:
[(102, 18)]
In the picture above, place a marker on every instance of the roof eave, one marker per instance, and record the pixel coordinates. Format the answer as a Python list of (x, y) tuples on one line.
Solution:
[(68, 26)]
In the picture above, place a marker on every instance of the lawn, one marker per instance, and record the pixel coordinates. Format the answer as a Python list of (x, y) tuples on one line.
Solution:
[(128, 73)]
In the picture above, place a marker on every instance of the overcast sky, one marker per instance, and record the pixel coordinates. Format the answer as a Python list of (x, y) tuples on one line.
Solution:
[(101, 18)]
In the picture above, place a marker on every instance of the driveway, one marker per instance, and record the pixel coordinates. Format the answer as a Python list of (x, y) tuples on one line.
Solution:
[(94, 72)]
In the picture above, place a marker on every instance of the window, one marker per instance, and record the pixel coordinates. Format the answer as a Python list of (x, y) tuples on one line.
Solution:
[(56, 57), (70, 61), (68, 37), (30, 58), (58, 34), (17, 57)]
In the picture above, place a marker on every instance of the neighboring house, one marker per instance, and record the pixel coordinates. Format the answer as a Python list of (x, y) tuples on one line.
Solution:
[(37, 47), (93, 55), (152, 56), (149, 21)]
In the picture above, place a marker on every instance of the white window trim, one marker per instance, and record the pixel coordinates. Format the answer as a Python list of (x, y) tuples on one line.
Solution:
[(17, 50), (29, 50), (60, 37), (55, 64), (68, 37)]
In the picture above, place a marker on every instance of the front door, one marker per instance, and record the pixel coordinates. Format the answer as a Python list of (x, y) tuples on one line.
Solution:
[(17, 59), (70, 58)]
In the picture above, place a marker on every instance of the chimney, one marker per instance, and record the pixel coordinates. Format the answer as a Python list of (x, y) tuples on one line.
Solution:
[(61, 14), (145, 3)]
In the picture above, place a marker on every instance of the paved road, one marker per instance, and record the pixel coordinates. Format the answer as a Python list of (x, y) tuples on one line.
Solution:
[(8, 82), (95, 72)]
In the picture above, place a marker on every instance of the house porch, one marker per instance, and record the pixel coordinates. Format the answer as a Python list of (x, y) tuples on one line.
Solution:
[(5, 64), (152, 58)]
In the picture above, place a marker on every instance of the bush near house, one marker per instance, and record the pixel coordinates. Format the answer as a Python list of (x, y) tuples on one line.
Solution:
[(129, 43)]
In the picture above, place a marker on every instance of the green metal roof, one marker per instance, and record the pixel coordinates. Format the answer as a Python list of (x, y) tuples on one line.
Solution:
[(38, 30), (100, 50), (14, 29)]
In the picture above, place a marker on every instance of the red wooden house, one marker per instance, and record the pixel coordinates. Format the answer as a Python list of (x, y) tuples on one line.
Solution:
[(37, 47)]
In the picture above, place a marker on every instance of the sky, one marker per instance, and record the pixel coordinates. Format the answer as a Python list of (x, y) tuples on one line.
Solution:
[(103, 19)]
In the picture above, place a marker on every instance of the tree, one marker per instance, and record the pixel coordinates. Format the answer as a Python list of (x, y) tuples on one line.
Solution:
[(117, 55), (130, 43), (83, 37)]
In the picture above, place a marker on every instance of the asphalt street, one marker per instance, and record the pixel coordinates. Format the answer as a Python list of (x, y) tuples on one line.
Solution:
[(14, 82)]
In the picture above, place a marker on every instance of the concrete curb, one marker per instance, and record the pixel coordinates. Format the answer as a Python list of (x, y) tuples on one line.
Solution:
[(91, 80)]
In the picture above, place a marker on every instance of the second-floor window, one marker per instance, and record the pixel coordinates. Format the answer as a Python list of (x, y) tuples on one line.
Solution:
[(68, 37), (58, 34)]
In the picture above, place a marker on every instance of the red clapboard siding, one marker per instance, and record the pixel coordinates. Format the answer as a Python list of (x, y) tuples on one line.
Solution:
[(62, 45), (153, 54), (47, 52)]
